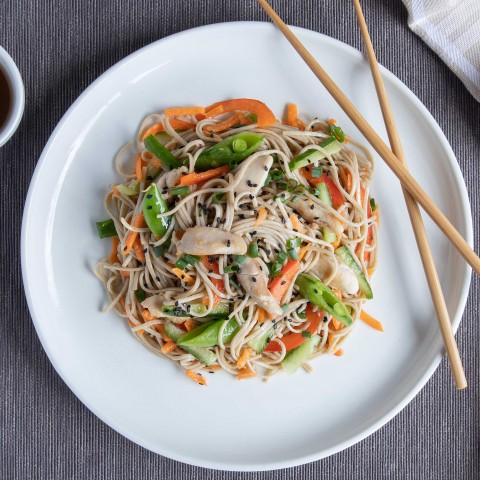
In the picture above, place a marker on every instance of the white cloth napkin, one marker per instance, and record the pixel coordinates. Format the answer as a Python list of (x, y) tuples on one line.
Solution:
[(452, 29)]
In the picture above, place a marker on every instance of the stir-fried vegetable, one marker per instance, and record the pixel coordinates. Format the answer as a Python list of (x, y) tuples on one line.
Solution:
[(331, 146), (162, 153), (106, 228), (153, 205), (206, 335), (319, 294), (223, 153)]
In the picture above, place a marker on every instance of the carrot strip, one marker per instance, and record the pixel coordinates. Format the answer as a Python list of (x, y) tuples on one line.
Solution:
[(339, 352), (116, 192), (211, 264), (113, 257), (244, 357), (336, 324), (300, 124), (138, 168), (370, 321), (147, 316), (296, 223), (292, 115), (278, 286), (265, 116), (261, 215), (175, 123), (190, 324), (261, 316), (245, 373), (194, 178), (349, 181), (138, 222), (214, 112), (184, 277), (196, 377), (124, 274), (233, 121), (175, 112), (303, 251), (138, 249), (370, 271), (331, 121), (168, 347)]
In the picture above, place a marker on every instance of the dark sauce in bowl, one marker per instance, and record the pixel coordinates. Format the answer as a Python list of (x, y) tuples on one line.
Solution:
[(5, 98)]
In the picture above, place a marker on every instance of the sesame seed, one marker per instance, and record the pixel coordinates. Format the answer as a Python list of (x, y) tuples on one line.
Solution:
[(241, 215), (284, 221), (251, 197), (253, 232), (312, 206), (229, 243), (254, 185), (307, 169), (265, 168), (249, 183), (283, 283), (149, 177), (254, 279)]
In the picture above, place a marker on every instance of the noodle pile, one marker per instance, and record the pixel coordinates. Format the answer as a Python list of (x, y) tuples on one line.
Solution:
[(267, 219)]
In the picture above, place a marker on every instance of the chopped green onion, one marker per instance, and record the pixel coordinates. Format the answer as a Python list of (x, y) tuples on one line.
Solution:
[(275, 269), (141, 295), (282, 257), (106, 228), (284, 307), (240, 259), (276, 175), (218, 198), (239, 145), (231, 268), (293, 254), (373, 205), (302, 314), (300, 189), (267, 180), (180, 191), (306, 334), (317, 172), (282, 185), (253, 250), (294, 242), (292, 184), (191, 259), (181, 263), (337, 133)]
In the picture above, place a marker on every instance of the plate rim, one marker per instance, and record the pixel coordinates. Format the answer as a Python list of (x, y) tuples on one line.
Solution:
[(219, 465)]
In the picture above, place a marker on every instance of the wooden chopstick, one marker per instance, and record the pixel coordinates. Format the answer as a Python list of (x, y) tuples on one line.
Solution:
[(414, 212), (378, 144)]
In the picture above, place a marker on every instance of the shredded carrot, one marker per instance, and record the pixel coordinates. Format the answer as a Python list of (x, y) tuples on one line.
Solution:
[(336, 244), (261, 316), (338, 293), (331, 121), (292, 115), (370, 271), (211, 264), (214, 112), (168, 347), (194, 178), (261, 215), (113, 257), (184, 277), (175, 112), (132, 325), (265, 116), (212, 368), (279, 285), (138, 222), (339, 352), (370, 321), (233, 121), (175, 123), (296, 223), (336, 324), (244, 357), (116, 192), (349, 181), (124, 273), (196, 377), (138, 249), (245, 373), (300, 124), (303, 251), (330, 339), (190, 324), (147, 316), (200, 116), (138, 168)]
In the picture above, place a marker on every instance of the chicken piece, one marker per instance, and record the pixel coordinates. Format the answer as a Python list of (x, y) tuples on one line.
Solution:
[(253, 177), (344, 279), (313, 212), (211, 241), (254, 282)]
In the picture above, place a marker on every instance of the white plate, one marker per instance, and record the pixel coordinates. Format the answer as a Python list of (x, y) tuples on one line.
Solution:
[(232, 425)]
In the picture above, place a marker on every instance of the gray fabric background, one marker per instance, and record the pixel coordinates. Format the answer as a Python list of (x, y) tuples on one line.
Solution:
[(60, 48)]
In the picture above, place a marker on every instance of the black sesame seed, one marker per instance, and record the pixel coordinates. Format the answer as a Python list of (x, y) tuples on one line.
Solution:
[(254, 185), (249, 183), (253, 232), (229, 243), (241, 215), (265, 168), (325, 319), (210, 271), (182, 276), (312, 206), (307, 169), (283, 282), (157, 279), (145, 250), (254, 279), (149, 177), (295, 230), (185, 284), (284, 221), (251, 197), (176, 303)]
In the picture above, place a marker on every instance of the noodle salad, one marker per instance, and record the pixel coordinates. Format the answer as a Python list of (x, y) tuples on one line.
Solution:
[(240, 243)]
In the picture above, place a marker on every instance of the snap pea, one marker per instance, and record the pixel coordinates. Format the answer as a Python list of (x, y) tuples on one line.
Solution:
[(206, 335), (106, 228), (154, 204), (319, 294), (163, 154), (230, 151)]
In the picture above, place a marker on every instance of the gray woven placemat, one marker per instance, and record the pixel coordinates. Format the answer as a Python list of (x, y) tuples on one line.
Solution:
[(60, 48)]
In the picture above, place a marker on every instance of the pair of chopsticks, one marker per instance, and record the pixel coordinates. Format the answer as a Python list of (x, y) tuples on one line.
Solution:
[(395, 159)]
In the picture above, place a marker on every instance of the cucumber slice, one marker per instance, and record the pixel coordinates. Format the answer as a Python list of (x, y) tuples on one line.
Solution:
[(296, 357), (331, 146), (347, 258), (324, 194), (259, 343), (221, 310), (329, 236), (202, 354)]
